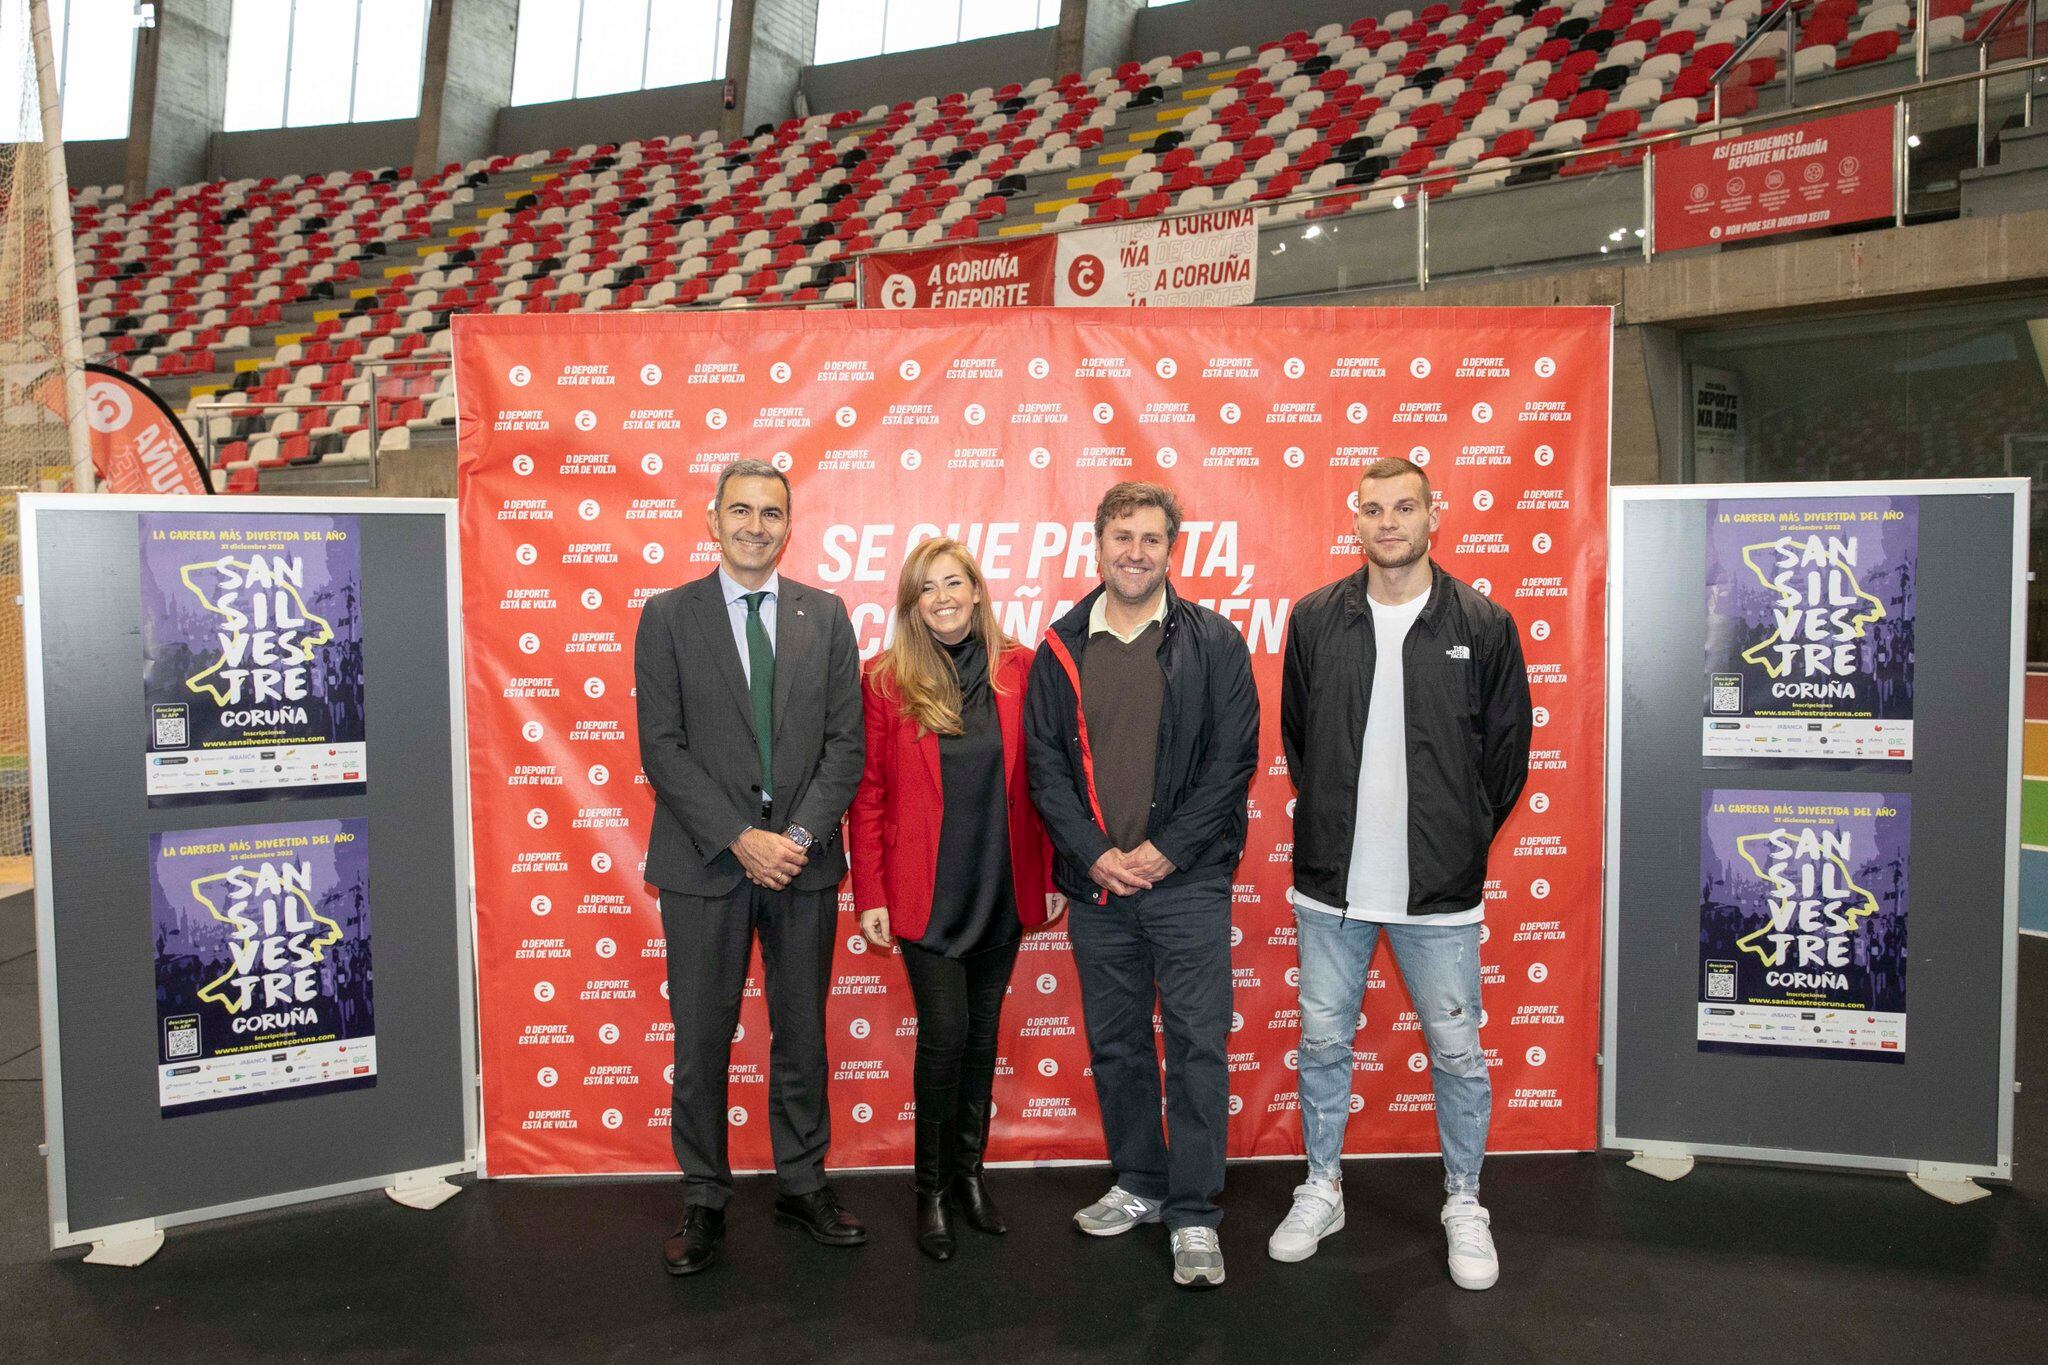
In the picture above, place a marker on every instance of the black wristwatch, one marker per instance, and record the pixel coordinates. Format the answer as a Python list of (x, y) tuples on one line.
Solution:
[(799, 836)]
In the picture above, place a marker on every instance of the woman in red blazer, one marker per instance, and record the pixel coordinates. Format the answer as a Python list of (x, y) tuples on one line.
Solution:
[(950, 862)]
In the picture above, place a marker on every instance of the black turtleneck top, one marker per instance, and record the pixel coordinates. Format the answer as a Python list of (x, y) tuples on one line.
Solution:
[(974, 904)]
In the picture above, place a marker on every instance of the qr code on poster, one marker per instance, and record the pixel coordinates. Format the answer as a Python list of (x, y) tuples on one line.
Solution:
[(181, 1037), (169, 728), (1720, 981), (1727, 694)]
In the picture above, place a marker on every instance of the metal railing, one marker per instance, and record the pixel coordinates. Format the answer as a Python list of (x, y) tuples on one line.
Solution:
[(1786, 14), (208, 411), (1417, 186), (1985, 38)]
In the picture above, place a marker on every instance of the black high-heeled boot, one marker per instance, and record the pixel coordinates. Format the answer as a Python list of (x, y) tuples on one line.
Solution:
[(934, 1222), (970, 1138)]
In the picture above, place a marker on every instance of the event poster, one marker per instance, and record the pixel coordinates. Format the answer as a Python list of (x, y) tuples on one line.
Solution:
[(252, 637), (1810, 631), (262, 936), (1803, 923)]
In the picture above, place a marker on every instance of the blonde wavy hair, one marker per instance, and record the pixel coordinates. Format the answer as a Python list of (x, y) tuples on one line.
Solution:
[(916, 667)]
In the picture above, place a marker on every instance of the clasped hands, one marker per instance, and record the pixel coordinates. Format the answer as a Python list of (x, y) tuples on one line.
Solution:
[(1126, 874), (769, 859)]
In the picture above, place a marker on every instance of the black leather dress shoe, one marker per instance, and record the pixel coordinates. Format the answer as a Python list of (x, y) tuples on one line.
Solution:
[(694, 1245), (819, 1214)]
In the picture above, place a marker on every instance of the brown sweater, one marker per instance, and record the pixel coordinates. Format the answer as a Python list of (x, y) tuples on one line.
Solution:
[(1122, 689)]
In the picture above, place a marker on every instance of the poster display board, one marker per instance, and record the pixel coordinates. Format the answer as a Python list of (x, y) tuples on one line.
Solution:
[(589, 447), (1825, 172), (1809, 631), (1764, 997), (267, 997)]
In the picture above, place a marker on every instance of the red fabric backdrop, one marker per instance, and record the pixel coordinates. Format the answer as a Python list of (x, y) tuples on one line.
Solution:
[(589, 445)]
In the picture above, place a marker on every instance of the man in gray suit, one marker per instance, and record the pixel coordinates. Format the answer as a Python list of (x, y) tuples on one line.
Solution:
[(748, 688)]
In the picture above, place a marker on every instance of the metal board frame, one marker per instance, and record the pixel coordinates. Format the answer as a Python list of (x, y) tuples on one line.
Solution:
[(1620, 499), (62, 1234)]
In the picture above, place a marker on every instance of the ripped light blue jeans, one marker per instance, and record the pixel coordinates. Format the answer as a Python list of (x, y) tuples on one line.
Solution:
[(1440, 966)]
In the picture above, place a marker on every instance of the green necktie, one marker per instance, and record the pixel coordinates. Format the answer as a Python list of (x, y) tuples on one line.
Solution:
[(761, 685)]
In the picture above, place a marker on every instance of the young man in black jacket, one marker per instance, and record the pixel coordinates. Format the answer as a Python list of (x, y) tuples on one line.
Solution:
[(1141, 726), (1404, 713)]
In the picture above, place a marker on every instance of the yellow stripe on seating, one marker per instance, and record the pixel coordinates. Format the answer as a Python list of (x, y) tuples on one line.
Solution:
[(392, 272), (1170, 116), (363, 293), (204, 391), (461, 231), (1019, 229), (327, 315), (246, 366), (1054, 205), (1082, 182), (291, 338), (1116, 158)]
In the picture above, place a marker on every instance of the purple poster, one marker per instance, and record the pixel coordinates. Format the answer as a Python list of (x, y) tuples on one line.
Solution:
[(1803, 923), (1810, 631), (252, 646), (262, 963)]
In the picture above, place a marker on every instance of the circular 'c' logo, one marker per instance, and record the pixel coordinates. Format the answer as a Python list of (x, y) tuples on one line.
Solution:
[(1084, 276), (107, 407)]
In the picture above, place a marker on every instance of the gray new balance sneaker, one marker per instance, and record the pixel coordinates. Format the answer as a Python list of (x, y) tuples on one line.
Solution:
[(1197, 1258), (1118, 1211)]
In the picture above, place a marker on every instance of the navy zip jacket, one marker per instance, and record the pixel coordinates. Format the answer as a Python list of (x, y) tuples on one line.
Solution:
[(1208, 748)]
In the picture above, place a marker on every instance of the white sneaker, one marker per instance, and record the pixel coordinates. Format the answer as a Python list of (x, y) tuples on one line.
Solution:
[(1318, 1211), (1117, 1212), (1467, 1227)]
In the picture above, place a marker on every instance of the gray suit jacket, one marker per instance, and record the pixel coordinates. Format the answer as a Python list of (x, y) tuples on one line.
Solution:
[(697, 733)]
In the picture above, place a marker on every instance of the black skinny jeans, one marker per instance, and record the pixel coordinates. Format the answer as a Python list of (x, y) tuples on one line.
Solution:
[(959, 1001)]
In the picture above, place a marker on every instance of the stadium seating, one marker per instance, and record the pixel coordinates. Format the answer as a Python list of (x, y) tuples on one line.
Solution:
[(318, 306)]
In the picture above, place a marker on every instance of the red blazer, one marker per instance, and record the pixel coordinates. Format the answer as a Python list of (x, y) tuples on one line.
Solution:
[(894, 820)]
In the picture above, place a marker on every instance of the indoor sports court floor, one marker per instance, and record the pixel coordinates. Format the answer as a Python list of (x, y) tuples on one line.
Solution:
[(2034, 811), (1745, 1264)]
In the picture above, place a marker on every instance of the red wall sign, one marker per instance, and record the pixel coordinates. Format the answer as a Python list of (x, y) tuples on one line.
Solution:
[(1787, 179), (589, 445)]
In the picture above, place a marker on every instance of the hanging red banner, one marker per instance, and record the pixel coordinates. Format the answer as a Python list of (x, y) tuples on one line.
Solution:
[(1793, 178), (589, 445), (138, 444), (1192, 260)]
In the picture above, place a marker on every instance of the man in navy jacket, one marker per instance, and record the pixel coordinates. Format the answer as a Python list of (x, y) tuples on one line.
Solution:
[(1142, 723)]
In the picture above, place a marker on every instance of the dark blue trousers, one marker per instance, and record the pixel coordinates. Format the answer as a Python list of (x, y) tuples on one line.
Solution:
[(1171, 944)]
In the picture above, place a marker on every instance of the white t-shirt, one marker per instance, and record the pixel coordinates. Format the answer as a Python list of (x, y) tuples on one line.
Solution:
[(1376, 888)]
